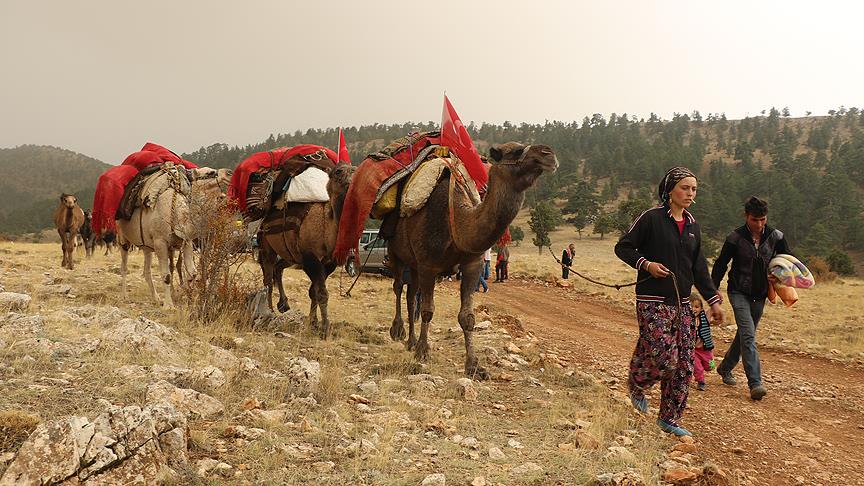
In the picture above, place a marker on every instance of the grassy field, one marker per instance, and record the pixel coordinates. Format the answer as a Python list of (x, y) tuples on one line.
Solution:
[(417, 425)]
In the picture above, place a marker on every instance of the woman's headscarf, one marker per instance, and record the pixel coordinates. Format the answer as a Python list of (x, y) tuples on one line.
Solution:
[(672, 177)]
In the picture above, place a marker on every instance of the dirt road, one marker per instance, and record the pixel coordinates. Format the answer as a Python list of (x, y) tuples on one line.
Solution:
[(808, 430)]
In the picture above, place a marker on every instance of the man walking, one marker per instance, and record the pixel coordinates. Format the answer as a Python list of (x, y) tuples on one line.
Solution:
[(750, 248)]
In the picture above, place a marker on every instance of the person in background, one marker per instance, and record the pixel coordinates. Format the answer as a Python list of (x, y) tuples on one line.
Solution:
[(567, 260), (484, 274), (665, 242), (703, 354), (750, 248)]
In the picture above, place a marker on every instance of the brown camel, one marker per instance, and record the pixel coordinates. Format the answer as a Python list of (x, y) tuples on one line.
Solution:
[(425, 243), (68, 218), (305, 234), (162, 223)]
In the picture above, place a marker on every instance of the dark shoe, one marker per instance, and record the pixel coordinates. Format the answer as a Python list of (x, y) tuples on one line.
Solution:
[(700, 386), (728, 379), (640, 404), (672, 428), (757, 392)]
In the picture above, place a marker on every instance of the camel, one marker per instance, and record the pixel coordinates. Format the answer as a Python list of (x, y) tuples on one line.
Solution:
[(163, 224), (87, 235), (448, 232), (305, 234), (68, 218)]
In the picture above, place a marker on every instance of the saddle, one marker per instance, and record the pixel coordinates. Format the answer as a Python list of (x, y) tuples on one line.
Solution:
[(142, 190)]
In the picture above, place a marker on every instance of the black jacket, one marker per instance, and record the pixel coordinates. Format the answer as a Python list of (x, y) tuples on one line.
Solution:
[(654, 237), (749, 273), (566, 257)]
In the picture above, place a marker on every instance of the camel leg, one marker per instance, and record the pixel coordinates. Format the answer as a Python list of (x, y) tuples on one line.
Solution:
[(124, 256), (426, 278), (282, 305), (171, 265), (148, 275), (323, 297), (70, 251), (162, 257), (267, 262), (63, 246), (188, 263), (413, 302), (397, 328), (314, 270), (470, 276)]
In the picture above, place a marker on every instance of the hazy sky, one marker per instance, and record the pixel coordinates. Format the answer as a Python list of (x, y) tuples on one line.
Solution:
[(101, 77)]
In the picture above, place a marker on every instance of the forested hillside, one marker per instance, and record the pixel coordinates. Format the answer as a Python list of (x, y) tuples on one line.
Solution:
[(810, 169), (32, 177)]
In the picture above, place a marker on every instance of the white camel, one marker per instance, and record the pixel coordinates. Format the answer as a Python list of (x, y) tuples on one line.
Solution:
[(162, 222)]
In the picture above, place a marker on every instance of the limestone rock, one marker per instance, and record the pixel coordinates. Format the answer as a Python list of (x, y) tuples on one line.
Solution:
[(465, 388), (627, 477), (304, 373), (437, 479), (121, 446), (370, 388), (495, 454), (192, 403), (12, 301), (479, 481), (526, 471), (141, 334), (211, 376), (20, 324), (621, 453)]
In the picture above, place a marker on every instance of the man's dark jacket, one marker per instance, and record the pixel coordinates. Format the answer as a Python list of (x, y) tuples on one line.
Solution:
[(749, 273)]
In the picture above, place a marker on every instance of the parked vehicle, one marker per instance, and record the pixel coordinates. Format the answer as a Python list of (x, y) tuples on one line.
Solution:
[(373, 255)]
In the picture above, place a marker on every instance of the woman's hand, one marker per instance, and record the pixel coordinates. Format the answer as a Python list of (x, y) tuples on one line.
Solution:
[(716, 313), (657, 270)]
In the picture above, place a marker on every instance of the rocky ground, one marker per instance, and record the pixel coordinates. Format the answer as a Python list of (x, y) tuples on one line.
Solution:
[(100, 389)]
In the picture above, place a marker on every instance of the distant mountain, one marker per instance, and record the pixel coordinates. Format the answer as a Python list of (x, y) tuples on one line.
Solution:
[(32, 177)]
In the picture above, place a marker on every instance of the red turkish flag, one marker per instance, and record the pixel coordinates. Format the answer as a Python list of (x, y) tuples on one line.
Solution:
[(343, 150), (455, 136)]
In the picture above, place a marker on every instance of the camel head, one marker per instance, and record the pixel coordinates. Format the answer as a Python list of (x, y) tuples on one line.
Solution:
[(520, 165), (212, 182), (340, 179), (68, 200)]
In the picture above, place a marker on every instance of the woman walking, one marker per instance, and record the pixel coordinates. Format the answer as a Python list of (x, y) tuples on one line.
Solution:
[(665, 243)]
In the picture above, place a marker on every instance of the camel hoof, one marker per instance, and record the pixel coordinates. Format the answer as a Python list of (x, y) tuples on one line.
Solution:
[(478, 373), (422, 353), (283, 306), (411, 343), (397, 333)]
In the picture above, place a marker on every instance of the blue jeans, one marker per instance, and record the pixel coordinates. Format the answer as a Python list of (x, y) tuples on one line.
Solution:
[(747, 315)]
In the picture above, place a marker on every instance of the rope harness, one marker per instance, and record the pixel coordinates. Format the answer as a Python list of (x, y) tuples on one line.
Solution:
[(621, 286)]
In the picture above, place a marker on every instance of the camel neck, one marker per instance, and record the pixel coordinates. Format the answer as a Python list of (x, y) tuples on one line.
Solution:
[(483, 225)]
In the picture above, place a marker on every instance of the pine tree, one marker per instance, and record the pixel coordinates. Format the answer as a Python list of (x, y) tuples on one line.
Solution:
[(544, 219)]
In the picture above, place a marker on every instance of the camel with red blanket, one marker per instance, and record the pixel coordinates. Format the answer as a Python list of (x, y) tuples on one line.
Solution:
[(305, 234), (162, 222), (68, 218), (450, 230)]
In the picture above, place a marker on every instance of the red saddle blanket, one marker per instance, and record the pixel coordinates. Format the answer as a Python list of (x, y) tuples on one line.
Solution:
[(277, 159), (112, 183), (374, 172)]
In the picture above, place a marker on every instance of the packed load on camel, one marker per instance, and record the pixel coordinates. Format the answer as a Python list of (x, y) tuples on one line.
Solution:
[(292, 174), (401, 176), (118, 188)]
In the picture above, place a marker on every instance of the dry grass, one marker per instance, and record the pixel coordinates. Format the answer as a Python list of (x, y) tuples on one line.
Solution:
[(15, 426), (408, 422)]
